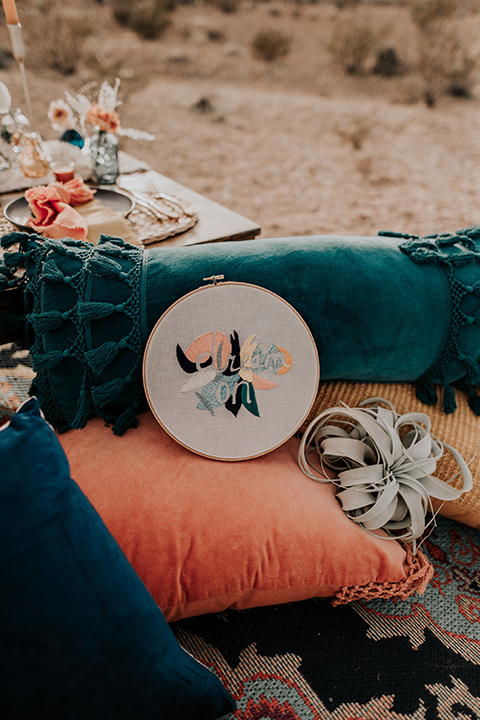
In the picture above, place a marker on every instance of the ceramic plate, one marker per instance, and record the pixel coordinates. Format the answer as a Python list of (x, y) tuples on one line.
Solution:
[(18, 212)]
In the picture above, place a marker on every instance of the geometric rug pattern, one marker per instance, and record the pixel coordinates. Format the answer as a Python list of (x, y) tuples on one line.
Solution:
[(417, 659)]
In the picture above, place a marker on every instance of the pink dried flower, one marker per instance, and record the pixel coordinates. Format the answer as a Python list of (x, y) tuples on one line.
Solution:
[(106, 120)]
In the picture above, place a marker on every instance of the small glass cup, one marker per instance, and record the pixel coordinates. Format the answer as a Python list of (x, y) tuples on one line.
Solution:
[(63, 171), (31, 158)]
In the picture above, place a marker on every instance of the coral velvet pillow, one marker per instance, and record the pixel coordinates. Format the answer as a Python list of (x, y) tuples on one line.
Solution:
[(205, 535)]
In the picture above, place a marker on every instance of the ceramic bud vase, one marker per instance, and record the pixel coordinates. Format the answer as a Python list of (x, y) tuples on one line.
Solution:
[(104, 151), (31, 158)]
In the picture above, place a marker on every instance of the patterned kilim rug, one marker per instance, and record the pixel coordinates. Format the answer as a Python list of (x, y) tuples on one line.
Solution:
[(380, 660), (16, 376), (412, 660)]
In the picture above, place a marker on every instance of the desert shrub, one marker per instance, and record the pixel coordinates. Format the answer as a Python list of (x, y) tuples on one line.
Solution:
[(355, 131), (148, 18), (352, 43), (58, 42), (446, 65), (215, 35), (387, 62), (446, 62), (204, 106), (226, 6), (424, 13), (270, 45)]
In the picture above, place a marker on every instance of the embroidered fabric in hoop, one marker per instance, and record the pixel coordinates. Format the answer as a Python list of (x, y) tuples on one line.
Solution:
[(384, 464), (230, 370)]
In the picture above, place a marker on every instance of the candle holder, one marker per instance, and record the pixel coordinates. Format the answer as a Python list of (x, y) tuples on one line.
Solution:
[(18, 48)]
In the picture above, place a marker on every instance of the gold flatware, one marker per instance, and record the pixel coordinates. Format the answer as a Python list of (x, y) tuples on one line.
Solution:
[(157, 194), (152, 206)]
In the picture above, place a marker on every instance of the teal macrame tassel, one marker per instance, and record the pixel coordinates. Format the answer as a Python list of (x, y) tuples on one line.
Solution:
[(15, 237), (80, 419), (471, 232), (52, 272), (101, 357), (474, 403), (3, 282), (14, 260), (459, 260), (449, 403), (426, 393), (44, 322), (49, 360), (389, 233), (473, 371), (116, 241), (475, 290), (102, 266), (57, 245), (125, 421), (102, 394), (80, 244), (94, 310)]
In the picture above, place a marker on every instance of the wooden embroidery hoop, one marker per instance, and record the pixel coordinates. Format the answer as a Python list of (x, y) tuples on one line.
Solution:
[(250, 310)]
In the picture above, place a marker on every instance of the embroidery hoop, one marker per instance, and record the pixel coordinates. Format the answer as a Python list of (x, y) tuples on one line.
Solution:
[(198, 418)]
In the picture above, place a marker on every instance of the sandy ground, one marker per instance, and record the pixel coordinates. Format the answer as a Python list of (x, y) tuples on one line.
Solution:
[(276, 145)]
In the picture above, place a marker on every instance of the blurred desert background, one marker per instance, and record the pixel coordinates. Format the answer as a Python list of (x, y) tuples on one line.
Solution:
[(308, 117)]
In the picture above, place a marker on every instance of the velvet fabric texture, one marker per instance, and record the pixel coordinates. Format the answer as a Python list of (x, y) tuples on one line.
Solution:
[(380, 308), (205, 535), (81, 636)]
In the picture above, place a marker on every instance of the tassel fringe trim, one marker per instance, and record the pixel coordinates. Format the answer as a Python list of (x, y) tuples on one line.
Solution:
[(111, 258), (450, 250), (419, 573)]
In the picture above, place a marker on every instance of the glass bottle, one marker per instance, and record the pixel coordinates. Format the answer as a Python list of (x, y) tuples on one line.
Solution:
[(31, 158), (104, 152)]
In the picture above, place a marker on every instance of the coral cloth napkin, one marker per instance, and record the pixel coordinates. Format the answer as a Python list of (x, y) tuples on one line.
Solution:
[(53, 214), (70, 210)]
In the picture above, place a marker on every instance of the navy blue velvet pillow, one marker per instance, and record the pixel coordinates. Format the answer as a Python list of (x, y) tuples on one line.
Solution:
[(381, 309), (81, 637)]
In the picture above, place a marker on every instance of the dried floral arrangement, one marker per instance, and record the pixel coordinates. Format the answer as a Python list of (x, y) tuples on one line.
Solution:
[(94, 106)]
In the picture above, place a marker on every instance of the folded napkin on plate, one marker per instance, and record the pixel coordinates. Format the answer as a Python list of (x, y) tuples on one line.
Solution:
[(53, 214), (102, 220)]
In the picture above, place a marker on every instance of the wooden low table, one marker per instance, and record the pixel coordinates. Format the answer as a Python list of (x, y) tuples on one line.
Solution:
[(216, 223)]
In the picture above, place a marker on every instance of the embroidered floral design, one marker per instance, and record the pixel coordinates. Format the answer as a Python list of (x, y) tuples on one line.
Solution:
[(227, 374)]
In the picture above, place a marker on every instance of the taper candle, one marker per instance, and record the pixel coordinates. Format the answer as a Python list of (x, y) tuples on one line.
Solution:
[(11, 14), (16, 37)]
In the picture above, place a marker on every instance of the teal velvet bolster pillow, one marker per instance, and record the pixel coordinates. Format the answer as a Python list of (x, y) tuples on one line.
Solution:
[(386, 308), (81, 636)]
